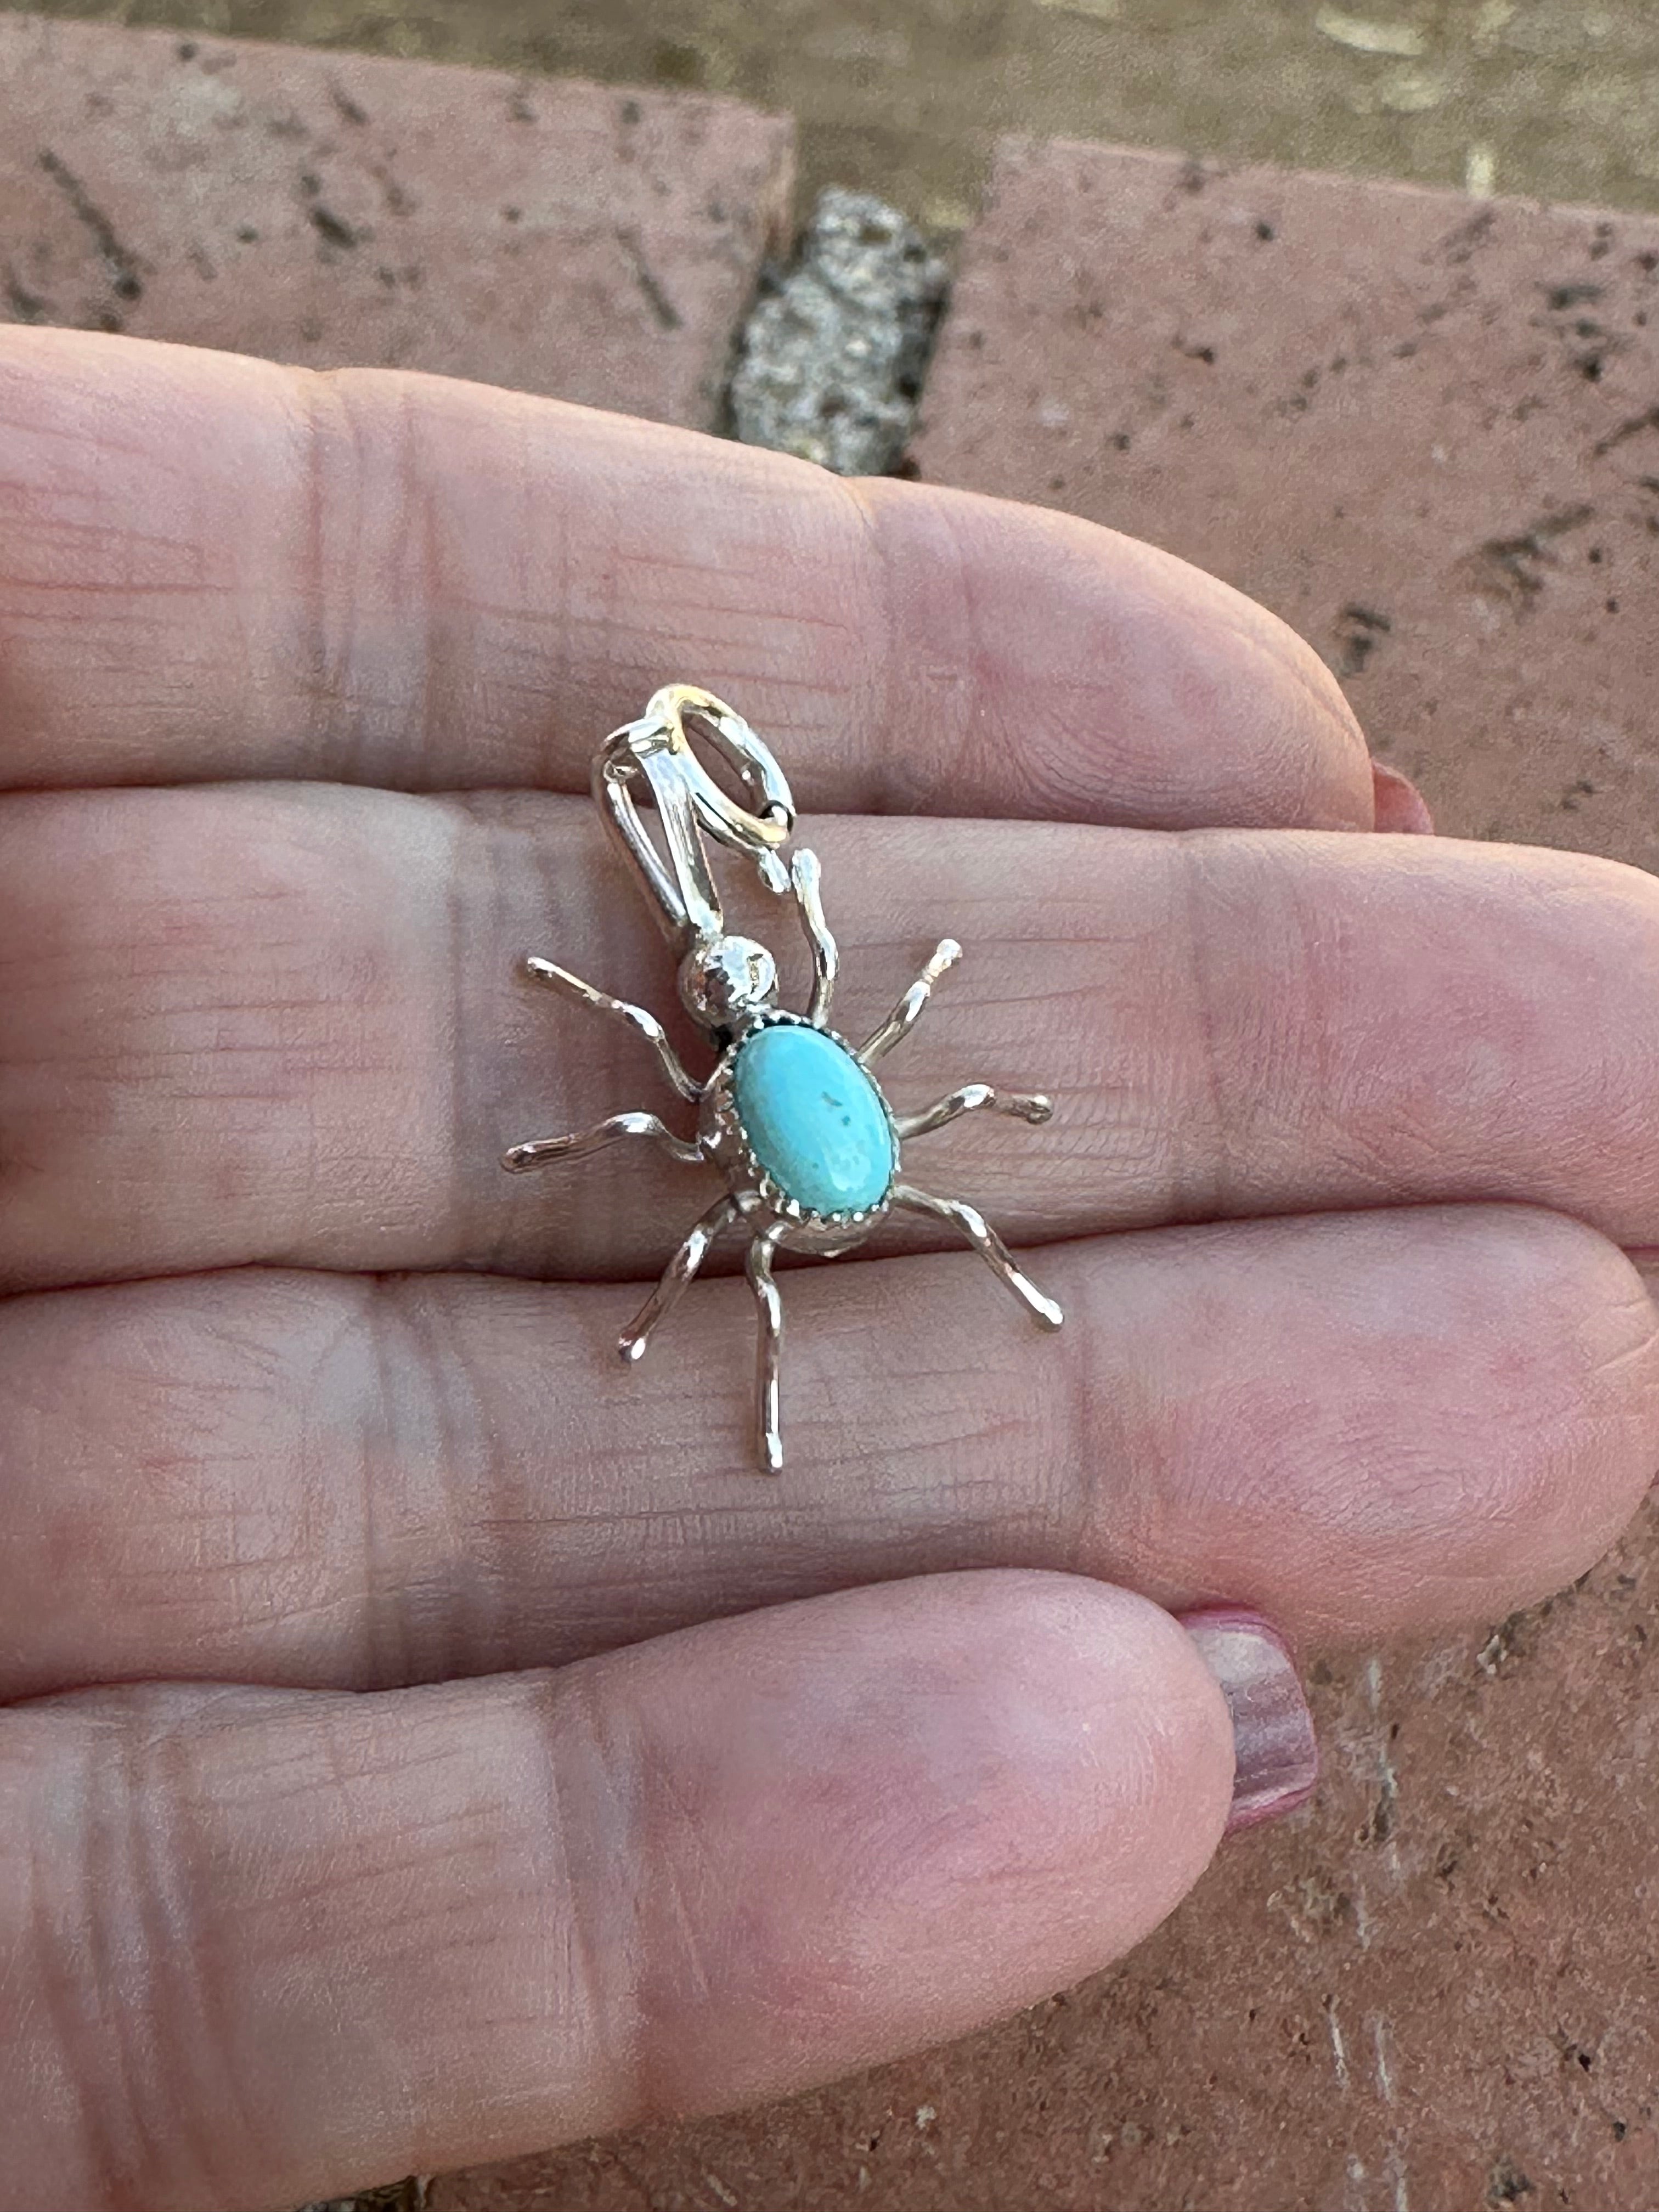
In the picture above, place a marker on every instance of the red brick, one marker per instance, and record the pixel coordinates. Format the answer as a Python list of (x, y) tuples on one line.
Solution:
[(555, 237), (1435, 1988), (1352, 400)]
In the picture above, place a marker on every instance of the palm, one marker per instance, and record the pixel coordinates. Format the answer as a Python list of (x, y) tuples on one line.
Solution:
[(298, 681)]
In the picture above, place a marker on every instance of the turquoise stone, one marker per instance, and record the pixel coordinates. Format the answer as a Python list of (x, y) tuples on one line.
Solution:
[(813, 1118)]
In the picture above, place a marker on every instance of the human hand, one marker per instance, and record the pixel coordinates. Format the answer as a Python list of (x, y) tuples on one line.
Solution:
[(299, 682)]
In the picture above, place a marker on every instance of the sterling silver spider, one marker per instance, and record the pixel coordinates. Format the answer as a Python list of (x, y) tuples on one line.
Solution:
[(791, 1115)]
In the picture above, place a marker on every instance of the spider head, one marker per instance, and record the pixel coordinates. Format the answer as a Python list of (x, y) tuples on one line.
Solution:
[(726, 980)]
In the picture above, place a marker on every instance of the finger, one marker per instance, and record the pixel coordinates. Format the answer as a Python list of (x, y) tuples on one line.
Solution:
[(216, 566), (1360, 1425), (289, 1026), (1400, 806), (261, 1947)]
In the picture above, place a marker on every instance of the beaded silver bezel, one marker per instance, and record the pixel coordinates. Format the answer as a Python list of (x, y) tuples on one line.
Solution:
[(726, 1140)]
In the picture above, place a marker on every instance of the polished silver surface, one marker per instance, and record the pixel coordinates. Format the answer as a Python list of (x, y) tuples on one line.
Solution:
[(729, 985)]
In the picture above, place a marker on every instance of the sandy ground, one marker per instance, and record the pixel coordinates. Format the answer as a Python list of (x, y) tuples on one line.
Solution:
[(1553, 97)]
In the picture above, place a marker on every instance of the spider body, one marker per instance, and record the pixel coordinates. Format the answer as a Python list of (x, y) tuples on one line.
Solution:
[(799, 1127), (792, 1115)]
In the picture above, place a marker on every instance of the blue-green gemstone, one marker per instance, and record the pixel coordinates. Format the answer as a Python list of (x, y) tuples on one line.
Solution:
[(813, 1118)]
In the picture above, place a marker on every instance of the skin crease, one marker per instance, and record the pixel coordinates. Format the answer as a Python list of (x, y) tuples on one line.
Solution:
[(284, 1024), (329, 1910), (327, 1483)]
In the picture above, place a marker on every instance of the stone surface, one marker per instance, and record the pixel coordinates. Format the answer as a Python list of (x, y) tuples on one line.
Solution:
[(1437, 1987), (1559, 97), (831, 361), (561, 238), (1425, 430), (813, 1119), (406, 2196)]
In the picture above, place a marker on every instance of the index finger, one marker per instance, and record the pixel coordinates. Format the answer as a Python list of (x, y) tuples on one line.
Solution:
[(215, 566)]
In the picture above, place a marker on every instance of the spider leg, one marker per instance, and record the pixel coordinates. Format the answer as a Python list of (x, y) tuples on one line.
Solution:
[(677, 1277), (985, 1242), (907, 1012), (975, 1098), (543, 1151), (637, 1017), (769, 1350), (807, 878)]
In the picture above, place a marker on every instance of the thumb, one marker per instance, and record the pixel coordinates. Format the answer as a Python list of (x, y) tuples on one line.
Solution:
[(304, 1939)]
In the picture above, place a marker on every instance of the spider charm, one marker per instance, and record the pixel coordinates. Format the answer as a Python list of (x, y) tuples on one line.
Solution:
[(793, 1116)]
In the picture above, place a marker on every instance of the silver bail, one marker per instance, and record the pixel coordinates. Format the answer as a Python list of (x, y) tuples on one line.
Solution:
[(688, 802)]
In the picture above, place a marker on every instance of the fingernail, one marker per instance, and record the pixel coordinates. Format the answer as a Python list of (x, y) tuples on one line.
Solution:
[(1276, 1758), (1397, 805)]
